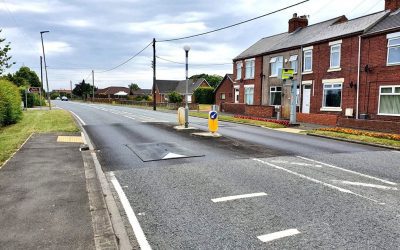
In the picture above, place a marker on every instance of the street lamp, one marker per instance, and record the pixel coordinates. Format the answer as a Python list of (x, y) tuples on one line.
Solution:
[(186, 48), (45, 68)]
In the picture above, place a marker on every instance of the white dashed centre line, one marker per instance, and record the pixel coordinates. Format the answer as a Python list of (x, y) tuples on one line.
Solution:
[(278, 235), (235, 197)]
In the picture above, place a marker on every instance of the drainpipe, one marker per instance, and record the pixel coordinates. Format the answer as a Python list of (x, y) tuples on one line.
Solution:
[(358, 76), (301, 79)]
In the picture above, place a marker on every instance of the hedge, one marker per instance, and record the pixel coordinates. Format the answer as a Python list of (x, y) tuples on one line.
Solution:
[(204, 95), (10, 103)]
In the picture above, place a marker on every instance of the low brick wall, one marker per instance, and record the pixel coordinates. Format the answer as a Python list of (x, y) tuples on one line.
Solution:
[(234, 108), (322, 119), (259, 111), (374, 125)]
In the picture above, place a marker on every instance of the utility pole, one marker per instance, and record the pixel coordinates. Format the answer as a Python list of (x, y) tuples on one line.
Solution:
[(45, 69), (70, 85), (293, 99), (93, 84), (154, 75), (41, 80)]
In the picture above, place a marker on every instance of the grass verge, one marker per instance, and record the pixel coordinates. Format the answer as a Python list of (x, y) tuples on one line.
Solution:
[(360, 138), (227, 118), (12, 137)]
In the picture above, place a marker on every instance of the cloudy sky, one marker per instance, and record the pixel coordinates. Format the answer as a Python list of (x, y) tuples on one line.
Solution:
[(100, 34)]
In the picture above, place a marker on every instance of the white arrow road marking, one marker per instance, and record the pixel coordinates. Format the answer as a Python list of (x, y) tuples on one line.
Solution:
[(349, 171), (365, 185), (173, 155), (278, 235), (235, 197)]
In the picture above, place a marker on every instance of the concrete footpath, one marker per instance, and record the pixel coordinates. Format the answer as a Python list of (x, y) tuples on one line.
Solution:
[(48, 202)]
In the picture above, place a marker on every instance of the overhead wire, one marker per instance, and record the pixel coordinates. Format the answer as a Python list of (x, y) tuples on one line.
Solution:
[(197, 64)]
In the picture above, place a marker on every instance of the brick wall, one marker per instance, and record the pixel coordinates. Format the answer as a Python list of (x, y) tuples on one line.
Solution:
[(374, 125), (322, 119), (256, 81), (234, 108), (226, 87), (259, 111)]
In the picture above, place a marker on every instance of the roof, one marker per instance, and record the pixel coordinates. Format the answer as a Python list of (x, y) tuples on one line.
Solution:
[(168, 86), (111, 90), (227, 76), (142, 92), (333, 28), (391, 21)]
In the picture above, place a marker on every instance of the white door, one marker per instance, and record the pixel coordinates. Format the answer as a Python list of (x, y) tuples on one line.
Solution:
[(306, 99), (236, 95)]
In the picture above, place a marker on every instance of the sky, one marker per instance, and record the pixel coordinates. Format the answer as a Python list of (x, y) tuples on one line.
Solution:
[(100, 34)]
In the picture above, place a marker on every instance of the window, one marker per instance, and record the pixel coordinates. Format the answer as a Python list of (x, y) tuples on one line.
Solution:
[(332, 95), (307, 61), (248, 94), (276, 65), (275, 95), (239, 70), (293, 63), (250, 68), (389, 100), (222, 96), (393, 56), (335, 56)]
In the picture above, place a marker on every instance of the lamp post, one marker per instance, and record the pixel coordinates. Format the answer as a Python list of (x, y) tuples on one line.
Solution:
[(45, 68), (187, 48)]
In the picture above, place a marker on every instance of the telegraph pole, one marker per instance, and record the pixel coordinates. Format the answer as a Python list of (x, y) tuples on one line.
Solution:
[(41, 80), (154, 75), (45, 69), (93, 84), (70, 85)]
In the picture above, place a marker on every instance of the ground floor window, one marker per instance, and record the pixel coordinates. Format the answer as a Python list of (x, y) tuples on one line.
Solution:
[(389, 100), (275, 96), (222, 96), (249, 95), (332, 95)]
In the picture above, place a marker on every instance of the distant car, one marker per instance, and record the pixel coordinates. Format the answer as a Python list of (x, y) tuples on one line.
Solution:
[(58, 98), (64, 98)]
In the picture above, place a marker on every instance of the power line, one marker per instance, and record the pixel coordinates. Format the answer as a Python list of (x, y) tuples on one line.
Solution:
[(233, 25), (197, 64), (126, 61)]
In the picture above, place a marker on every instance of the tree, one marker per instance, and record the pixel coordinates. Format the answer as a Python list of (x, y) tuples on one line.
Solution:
[(175, 97), (26, 77), (204, 95), (133, 87), (213, 80), (4, 58), (83, 89)]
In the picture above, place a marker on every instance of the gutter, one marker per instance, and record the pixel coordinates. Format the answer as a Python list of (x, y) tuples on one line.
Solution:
[(358, 75)]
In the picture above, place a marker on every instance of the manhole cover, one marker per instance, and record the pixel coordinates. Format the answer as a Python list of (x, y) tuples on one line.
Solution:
[(160, 151)]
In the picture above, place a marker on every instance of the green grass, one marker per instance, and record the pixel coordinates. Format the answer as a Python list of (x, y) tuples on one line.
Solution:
[(12, 137), (361, 138), (227, 118)]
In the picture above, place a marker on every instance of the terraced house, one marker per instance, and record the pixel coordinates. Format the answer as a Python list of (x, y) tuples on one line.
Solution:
[(343, 69)]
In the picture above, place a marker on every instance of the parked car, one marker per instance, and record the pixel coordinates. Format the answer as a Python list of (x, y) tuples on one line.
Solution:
[(58, 98), (64, 98)]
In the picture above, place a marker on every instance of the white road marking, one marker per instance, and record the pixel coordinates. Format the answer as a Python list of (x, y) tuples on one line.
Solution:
[(83, 123), (141, 238), (235, 197), (349, 171), (173, 155), (278, 235), (315, 180), (365, 185), (297, 163)]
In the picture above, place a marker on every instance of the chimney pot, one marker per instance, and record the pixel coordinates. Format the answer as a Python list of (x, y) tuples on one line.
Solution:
[(298, 22)]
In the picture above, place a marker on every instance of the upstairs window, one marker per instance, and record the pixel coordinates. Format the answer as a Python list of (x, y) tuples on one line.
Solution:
[(276, 64), (293, 63), (238, 70), (307, 61), (275, 95), (250, 65), (335, 56), (393, 50), (389, 100)]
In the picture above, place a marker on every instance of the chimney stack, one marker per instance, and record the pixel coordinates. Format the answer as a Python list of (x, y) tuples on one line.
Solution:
[(299, 22), (392, 5)]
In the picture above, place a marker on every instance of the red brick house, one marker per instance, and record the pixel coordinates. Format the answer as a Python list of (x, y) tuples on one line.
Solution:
[(166, 87), (224, 92), (332, 83), (110, 92)]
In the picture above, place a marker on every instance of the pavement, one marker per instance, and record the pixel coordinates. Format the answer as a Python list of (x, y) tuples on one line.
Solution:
[(50, 197)]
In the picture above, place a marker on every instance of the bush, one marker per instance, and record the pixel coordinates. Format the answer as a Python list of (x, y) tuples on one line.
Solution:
[(175, 97), (204, 95), (32, 98), (10, 103)]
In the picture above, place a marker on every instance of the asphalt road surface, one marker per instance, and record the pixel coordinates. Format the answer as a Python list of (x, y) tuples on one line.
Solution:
[(253, 188)]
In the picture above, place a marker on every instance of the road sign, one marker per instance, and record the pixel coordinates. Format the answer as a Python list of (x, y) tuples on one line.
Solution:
[(287, 73), (213, 121), (34, 90)]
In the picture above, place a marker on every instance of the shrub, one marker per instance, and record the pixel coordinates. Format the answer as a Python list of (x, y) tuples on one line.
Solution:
[(175, 97), (204, 95), (363, 133), (10, 103)]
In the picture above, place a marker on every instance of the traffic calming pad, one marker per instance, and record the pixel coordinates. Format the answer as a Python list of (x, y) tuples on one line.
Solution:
[(74, 139), (161, 151)]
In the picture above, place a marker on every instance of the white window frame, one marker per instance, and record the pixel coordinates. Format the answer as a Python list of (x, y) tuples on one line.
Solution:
[(390, 37), (304, 60), (245, 94), (332, 83), (340, 54), (239, 66), (275, 61), (294, 58), (379, 99), (250, 65), (273, 89)]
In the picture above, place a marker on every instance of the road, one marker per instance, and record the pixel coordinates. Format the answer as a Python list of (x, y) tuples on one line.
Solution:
[(253, 188)]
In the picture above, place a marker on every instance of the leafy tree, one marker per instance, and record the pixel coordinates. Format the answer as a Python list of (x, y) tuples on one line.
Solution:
[(213, 80), (133, 87), (26, 77), (83, 89), (204, 95), (4, 57), (175, 97)]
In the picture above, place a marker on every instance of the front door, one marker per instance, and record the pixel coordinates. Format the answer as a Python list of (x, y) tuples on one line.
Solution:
[(236, 95), (306, 99)]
